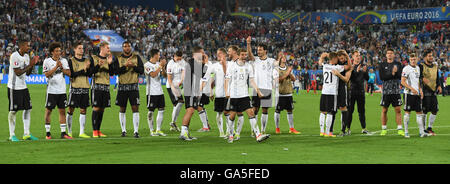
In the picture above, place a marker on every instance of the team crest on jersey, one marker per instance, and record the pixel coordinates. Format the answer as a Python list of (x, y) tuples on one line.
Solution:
[(16, 63)]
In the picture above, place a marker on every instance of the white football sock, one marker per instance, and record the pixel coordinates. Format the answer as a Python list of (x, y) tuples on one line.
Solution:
[(123, 121), (383, 127), (424, 121), (150, 120), (227, 116), (47, 127), (290, 118), (254, 126), (230, 126), (419, 118), (264, 118), (277, 119), (176, 112), (203, 118), (69, 119), (406, 121), (240, 124), (328, 123), (82, 123), (219, 122), (399, 127), (12, 122), (184, 129), (136, 122), (431, 120), (159, 119), (240, 120), (322, 122), (26, 121), (63, 127)]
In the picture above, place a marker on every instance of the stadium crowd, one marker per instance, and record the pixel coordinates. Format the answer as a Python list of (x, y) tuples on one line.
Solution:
[(46, 21)]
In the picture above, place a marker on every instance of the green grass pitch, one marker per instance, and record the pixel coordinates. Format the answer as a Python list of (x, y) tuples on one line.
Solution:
[(307, 148)]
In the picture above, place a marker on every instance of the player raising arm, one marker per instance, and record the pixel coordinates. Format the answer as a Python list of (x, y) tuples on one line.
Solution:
[(238, 73), (328, 99)]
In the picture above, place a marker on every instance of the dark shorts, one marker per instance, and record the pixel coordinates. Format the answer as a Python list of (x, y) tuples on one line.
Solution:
[(227, 104), (265, 101), (54, 100), (328, 103), (285, 103), (240, 104), (191, 101), (220, 104), (19, 99), (155, 101), (394, 99), (430, 104), (124, 96), (173, 98), (204, 100), (342, 99), (100, 98), (78, 101), (412, 103)]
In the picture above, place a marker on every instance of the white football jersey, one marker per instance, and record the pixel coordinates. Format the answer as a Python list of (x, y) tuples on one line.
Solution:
[(412, 75), (239, 75), (21, 62), (216, 72), (228, 66), (56, 84), (331, 81), (263, 70), (207, 89), (175, 69), (153, 83)]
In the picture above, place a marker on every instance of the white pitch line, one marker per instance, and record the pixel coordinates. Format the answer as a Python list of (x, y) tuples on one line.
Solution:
[(374, 133)]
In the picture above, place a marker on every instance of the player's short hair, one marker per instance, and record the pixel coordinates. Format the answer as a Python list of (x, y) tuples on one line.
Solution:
[(241, 50), (262, 45), (233, 47), (341, 52), (412, 54), (53, 46), (22, 41), (103, 44), (196, 49), (76, 43), (390, 49), (179, 53), (355, 51), (126, 42), (222, 50), (333, 55), (427, 51), (153, 52)]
